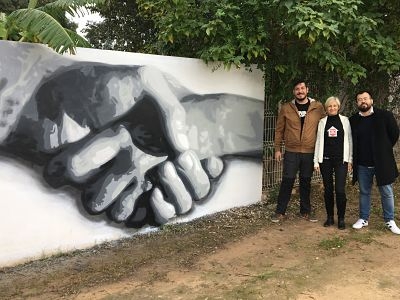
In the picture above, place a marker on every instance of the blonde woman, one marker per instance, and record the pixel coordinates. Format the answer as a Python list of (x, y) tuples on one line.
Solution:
[(333, 157)]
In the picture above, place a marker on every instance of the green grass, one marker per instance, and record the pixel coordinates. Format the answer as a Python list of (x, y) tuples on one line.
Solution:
[(333, 243), (364, 237), (266, 275)]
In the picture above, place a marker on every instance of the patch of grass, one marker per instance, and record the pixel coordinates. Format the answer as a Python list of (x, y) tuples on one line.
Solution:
[(266, 275), (333, 243), (381, 227), (364, 237)]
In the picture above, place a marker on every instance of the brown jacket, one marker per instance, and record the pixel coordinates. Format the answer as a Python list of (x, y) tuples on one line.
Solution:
[(288, 127)]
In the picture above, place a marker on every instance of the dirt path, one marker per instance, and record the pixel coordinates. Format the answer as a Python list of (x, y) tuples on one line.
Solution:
[(300, 261), (234, 255)]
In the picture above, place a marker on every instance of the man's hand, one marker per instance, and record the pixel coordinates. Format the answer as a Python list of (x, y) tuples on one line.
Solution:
[(278, 155), (349, 168)]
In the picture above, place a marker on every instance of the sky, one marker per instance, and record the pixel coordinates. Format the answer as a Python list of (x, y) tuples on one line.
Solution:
[(82, 20)]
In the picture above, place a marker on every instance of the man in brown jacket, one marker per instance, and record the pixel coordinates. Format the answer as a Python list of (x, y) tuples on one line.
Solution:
[(296, 129)]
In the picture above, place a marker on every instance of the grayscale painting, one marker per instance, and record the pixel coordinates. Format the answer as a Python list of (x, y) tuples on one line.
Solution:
[(123, 142)]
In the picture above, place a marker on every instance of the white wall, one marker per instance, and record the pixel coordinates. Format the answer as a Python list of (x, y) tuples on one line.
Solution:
[(38, 221)]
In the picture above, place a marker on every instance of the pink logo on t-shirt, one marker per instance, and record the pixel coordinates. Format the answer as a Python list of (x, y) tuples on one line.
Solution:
[(332, 132)]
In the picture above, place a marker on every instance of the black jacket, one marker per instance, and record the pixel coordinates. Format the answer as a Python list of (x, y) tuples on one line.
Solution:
[(385, 134)]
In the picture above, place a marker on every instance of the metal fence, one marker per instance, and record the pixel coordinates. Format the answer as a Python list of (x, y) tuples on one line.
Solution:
[(272, 169), (272, 174)]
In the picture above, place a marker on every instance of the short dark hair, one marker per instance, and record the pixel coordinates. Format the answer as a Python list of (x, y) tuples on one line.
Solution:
[(298, 81), (362, 91)]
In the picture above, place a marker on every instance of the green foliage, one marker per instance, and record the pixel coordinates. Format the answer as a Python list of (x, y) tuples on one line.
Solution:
[(8, 6), (121, 28), (336, 45), (211, 30), (45, 24)]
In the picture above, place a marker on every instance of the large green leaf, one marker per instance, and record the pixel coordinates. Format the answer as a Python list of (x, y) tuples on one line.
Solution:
[(78, 40), (43, 27), (73, 7), (41, 24)]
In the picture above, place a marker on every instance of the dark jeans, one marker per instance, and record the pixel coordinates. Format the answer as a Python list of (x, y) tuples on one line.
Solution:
[(294, 162), (334, 169)]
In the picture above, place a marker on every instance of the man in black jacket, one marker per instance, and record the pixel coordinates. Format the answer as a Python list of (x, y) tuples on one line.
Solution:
[(375, 132)]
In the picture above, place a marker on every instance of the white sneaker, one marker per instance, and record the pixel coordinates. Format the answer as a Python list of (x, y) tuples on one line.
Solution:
[(393, 227), (360, 224)]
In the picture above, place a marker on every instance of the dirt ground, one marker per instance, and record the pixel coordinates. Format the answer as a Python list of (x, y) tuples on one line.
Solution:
[(238, 254)]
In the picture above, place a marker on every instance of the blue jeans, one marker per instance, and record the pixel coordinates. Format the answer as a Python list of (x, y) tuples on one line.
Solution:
[(365, 180)]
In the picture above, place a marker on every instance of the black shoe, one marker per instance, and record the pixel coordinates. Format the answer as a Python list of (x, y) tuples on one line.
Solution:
[(329, 221), (341, 224)]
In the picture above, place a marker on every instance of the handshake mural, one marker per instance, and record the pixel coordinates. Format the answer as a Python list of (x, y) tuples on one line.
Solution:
[(138, 144)]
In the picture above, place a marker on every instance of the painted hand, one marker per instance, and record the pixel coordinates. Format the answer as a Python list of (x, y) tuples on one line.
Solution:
[(116, 131), (103, 128), (112, 172)]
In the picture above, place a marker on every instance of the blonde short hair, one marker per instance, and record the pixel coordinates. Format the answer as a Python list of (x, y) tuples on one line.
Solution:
[(330, 99)]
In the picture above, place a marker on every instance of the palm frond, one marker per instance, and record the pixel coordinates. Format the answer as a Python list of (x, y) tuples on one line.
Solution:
[(72, 7), (78, 40), (44, 27), (32, 3)]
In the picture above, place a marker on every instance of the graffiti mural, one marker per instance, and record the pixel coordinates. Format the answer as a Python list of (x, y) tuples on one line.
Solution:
[(134, 143)]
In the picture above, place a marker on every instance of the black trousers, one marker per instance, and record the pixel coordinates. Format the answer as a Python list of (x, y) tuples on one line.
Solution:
[(334, 170), (294, 162)]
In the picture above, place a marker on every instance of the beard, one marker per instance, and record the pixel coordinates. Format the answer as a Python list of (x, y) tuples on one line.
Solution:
[(300, 97), (364, 107)]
